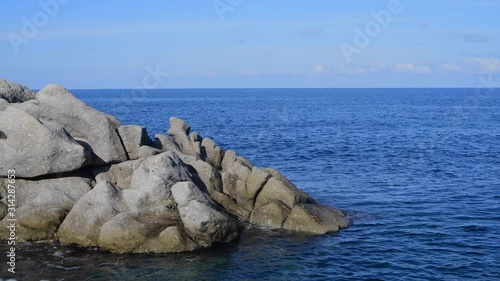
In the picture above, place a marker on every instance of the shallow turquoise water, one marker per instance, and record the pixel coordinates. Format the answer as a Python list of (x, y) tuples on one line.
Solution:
[(418, 170)]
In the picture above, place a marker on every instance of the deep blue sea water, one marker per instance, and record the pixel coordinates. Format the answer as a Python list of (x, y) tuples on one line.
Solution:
[(418, 170)]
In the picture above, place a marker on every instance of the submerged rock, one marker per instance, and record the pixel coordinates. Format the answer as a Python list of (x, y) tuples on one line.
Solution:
[(130, 194), (315, 219)]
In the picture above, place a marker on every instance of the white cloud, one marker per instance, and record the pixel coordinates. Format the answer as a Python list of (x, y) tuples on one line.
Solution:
[(450, 67), (411, 68), (349, 69), (486, 64), (376, 67)]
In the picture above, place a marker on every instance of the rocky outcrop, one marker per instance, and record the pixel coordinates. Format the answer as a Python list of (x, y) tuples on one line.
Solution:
[(263, 197), (272, 214), (314, 218), (93, 182), (205, 222), (136, 201), (41, 205), (13, 92), (36, 147), (94, 129), (134, 137)]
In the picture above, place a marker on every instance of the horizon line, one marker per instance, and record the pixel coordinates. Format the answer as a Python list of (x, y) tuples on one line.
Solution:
[(267, 88)]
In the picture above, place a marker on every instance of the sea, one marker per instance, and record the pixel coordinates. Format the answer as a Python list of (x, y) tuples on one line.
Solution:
[(416, 170)]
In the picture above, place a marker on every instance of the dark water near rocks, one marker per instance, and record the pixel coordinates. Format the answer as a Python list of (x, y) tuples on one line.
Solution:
[(417, 169)]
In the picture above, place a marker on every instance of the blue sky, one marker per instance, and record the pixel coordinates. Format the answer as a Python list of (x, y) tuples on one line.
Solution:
[(249, 43)]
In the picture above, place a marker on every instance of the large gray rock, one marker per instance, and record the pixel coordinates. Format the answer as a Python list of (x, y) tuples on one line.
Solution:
[(14, 93), (158, 173), (253, 185), (133, 138), (205, 222), (117, 174), (143, 215), (85, 124), (179, 130), (272, 214), (315, 219), (144, 232), (228, 160), (146, 151), (171, 240), (178, 126), (234, 177), (165, 143), (83, 223), (36, 147), (209, 178), (131, 230), (277, 189), (212, 153), (42, 205)]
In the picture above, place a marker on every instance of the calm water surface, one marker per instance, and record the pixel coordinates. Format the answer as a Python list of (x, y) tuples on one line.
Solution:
[(418, 170)]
